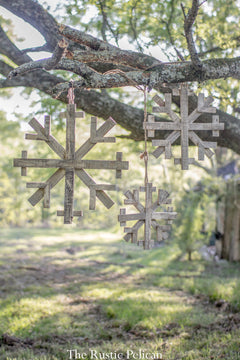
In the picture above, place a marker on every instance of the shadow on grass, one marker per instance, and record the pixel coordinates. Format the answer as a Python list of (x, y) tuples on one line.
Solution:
[(91, 289)]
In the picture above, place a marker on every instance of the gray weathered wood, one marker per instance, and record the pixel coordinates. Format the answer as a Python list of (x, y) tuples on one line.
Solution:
[(93, 193), (122, 222), (23, 168), (147, 216), (76, 213), (101, 195), (52, 181), (215, 120), (94, 138), (101, 132), (70, 155), (47, 125), (51, 141), (151, 119), (46, 193), (71, 163), (184, 127)]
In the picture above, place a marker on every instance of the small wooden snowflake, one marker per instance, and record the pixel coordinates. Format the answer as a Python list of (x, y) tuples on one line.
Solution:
[(147, 216)]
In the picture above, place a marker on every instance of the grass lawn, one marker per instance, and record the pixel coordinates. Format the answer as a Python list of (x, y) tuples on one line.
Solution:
[(77, 290)]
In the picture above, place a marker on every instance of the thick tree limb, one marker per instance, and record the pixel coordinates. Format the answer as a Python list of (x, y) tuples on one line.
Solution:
[(128, 117), (34, 14), (164, 73), (8, 49), (100, 104)]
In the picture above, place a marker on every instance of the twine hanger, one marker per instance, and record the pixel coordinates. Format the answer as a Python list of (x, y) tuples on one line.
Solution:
[(144, 155)]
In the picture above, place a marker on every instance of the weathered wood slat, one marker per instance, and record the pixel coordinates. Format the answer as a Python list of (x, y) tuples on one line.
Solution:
[(93, 193), (52, 181), (23, 168), (76, 213), (51, 141), (100, 194), (215, 120), (40, 185), (161, 126), (122, 222), (130, 217), (47, 125), (164, 215), (197, 141), (151, 120), (68, 196), (184, 126), (71, 163), (170, 139), (103, 130), (214, 127), (78, 114), (135, 229), (148, 216), (70, 155), (70, 131)]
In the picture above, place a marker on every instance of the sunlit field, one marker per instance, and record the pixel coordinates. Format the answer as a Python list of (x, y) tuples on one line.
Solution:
[(63, 290)]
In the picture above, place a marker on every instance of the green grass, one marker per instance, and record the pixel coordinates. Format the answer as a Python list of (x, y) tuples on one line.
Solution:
[(69, 289)]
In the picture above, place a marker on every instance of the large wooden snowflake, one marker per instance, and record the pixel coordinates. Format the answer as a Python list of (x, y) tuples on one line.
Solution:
[(183, 127), (147, 216), (71, 163)]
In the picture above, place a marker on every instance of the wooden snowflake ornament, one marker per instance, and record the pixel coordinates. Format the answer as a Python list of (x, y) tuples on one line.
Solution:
[(147, 216), (71, 163), (183, 127)]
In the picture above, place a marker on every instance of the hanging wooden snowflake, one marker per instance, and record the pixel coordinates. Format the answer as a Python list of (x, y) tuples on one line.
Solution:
[(147, 216), (71, 163), (183, 127)]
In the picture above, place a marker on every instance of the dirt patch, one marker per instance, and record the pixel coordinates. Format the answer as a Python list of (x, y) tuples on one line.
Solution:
[(9, 340)]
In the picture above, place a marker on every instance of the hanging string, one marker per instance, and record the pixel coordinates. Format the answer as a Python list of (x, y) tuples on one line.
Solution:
[(70, 94), (145, 136), (144, 155)]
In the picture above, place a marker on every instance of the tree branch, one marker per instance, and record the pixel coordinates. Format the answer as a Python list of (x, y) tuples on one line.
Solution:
[(57, 55), (168, 73), (44, 47), (34, 14), (8, 49), (101, 50), (116, 56), (189, 20)]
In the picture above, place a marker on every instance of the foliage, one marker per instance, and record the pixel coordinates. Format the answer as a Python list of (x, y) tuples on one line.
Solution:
[(188, 232)]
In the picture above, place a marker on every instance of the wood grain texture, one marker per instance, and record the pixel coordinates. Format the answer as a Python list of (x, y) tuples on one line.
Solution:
[(147, 216), (71, 163), (23, 168), (184, 127)]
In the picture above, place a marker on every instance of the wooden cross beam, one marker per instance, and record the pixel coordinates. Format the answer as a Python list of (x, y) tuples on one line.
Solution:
[(146, 216), (71, 162), (183, 127), (46, 187)]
